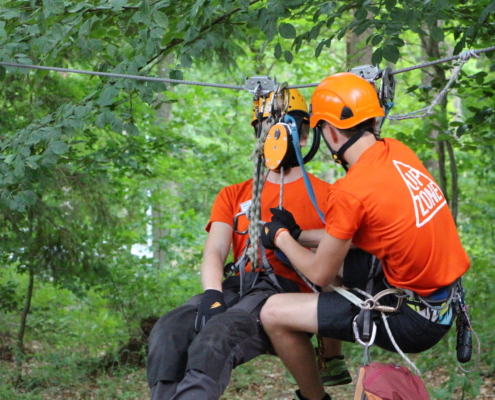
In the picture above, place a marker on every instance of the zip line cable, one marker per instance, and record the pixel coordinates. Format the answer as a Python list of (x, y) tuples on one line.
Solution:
[(471, 53), (123, 76)]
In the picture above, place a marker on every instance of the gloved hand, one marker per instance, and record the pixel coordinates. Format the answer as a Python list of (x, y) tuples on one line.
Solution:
[(269, 233), (211, 304), (286, 218)]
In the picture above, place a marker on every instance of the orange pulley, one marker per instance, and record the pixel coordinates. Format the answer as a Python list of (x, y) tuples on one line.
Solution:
[(278, 146)]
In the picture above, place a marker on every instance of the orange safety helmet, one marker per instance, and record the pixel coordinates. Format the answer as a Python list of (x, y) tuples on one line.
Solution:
[(297, 102), (344, 100)]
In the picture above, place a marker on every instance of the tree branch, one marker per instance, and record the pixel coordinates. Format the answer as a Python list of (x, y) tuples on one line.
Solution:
[(220, 19)]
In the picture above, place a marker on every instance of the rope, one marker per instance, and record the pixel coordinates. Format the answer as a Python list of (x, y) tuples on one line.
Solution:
[(320, 353), (254, 212), (123, 76), (396, 346), (472, 53), (464, 57), (281, 197)]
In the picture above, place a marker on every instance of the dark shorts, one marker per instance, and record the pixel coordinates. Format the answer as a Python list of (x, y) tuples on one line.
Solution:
[(412, 332)]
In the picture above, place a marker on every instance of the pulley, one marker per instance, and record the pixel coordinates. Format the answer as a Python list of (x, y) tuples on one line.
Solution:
[(278, 147)]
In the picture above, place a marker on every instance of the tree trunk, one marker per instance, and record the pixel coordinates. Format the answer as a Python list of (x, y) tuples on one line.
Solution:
[(164, 114), (357, 51), (22, 326), (432, 49)]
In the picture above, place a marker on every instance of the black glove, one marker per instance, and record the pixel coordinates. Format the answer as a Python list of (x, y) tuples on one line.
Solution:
[(286, 218), (212, 303), (269, 232)]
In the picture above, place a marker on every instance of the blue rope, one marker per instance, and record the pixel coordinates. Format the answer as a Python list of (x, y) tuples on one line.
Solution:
[(295, 140)]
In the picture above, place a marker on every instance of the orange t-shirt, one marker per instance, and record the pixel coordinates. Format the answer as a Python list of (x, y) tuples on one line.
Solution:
[(391, 207), (237, 198)]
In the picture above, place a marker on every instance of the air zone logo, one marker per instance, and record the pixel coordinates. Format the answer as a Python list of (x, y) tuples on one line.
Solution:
[(427, 197)]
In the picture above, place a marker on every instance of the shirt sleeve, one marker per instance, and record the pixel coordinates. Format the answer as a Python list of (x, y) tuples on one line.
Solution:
[(345, 214), (222, 210)]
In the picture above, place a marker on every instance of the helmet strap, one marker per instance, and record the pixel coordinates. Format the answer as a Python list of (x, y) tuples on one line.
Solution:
[(338, 156)]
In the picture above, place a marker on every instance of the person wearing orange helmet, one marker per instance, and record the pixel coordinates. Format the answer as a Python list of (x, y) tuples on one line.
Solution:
[(388, 205), (194, 348)]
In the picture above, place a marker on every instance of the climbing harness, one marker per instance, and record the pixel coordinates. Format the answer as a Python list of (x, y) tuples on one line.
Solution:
[(451, 296), (277, 135)]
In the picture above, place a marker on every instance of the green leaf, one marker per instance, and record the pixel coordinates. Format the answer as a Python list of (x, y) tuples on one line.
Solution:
[(460, 45), (59, 147), (131, 129), (437, 33), (376, 40), (3, 72), (117, 4), (390, 4), (288, 56), (397, 41), (278, 51), (107, 97), (10, 13), (320, 46), (176, 74), (376, 58), (25, 151), (160, 19), (144, 13), (315, 32), (195, 8), (19, 169), (391, 53), (30, 197), (287, 31), (186, 60), (117, 125), (157, 87), (54, 6), (486, 12), (361, 14)]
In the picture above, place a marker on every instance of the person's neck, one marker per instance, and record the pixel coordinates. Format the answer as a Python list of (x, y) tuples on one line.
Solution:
[(290, 175), (357, 149)]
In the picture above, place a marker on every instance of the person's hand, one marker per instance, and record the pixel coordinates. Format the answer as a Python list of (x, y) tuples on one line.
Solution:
[(286, 218), (269, 234), (212, 303)]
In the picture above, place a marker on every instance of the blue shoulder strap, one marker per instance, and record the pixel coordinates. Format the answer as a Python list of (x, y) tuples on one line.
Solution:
[(295, 141)]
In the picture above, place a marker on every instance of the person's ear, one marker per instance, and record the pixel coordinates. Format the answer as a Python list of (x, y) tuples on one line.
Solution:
[(333, 134), (304, 135), (303, 142)]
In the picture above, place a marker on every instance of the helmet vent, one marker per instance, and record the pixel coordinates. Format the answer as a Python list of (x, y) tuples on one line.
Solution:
[(346, 113)]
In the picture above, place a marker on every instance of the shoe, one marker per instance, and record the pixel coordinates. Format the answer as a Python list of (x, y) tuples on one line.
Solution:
[(299, 396), (334, 374)]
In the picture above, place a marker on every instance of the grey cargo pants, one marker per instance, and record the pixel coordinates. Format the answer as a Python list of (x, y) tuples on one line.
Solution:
[(185, 365)]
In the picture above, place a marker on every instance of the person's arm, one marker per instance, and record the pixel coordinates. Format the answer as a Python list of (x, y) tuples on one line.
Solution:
[(311, 238), (320, 267), (215, 253)]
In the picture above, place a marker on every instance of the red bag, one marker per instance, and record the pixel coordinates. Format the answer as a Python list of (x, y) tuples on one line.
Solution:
[(379, 381)]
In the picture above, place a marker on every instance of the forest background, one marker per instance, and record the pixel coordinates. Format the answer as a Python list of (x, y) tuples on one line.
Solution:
[(106, 184)]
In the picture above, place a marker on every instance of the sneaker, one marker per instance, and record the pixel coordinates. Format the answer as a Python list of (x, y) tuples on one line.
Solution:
[(335, 373)]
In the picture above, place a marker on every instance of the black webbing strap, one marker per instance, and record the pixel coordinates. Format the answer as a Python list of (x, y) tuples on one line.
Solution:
[(364, 316)]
